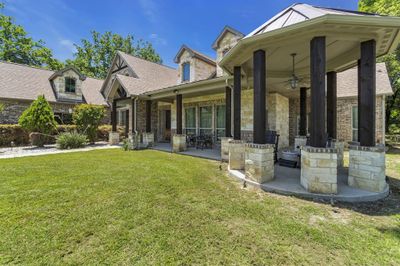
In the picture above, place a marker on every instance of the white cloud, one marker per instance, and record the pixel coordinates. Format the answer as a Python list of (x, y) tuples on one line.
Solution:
[(157, 39), (150, 9), (68, 44)]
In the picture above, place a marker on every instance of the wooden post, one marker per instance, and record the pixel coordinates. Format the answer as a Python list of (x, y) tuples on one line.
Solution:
[(317, 71), (148, 116), (114, 116), (331, 97), (228, 107), (126, 123), (237, 94), (179, 114), (367, 94), (303, 112), (260, 113), (133, 107)]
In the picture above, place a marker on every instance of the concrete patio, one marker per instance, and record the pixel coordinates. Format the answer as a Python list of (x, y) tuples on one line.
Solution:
[(212, 154), (287, 182)]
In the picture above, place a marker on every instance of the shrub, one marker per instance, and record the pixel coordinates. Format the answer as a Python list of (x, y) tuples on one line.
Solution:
[(13, 133), (71, 140), (38, 118), (87, 118), (1, 107)]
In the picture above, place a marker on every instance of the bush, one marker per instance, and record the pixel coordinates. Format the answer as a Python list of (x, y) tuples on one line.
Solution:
[(87, 118), (71, 140), (38, 118)]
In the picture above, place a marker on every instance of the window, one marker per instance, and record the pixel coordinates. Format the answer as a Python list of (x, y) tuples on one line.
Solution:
[(205, 120), (186, 72), (63, 118), (220, 121), (121, 92), (225, 51), (354, 123), (70, 85), (190, 121)]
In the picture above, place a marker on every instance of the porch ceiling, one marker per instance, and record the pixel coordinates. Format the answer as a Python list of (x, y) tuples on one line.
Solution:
[(343, 37)]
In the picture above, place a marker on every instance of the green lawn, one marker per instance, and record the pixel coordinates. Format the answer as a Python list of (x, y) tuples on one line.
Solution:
[(149, 207)]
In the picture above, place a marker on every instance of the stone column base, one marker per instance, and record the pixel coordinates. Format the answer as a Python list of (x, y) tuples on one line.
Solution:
[(367, 169), (236, 154), (339, 146), (299, 142), (179, 143), (319, 170), (259, 163), (148, 139), (225, 148), (113, 138)]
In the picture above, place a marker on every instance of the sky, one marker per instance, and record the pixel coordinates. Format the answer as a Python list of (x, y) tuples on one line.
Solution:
[(167, 24)]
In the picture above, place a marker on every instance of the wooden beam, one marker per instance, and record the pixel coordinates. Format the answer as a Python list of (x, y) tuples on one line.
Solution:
[(331, 98), (179, 114), (148, 116), (317, 72), (126, 123), (228, 112), (303, 112), (114, 116), (237, 95), (133, 108), (260, 113), (367, 94)]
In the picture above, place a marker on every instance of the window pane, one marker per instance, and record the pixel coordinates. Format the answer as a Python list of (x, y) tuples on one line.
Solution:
[(355, 117), (186, 71), (221, 116), (190, 117), (205, 117)]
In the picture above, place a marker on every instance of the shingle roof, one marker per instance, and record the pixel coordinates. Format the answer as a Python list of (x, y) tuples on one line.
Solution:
[(27, 83), (301, 12), (153, 74), (347, 82)]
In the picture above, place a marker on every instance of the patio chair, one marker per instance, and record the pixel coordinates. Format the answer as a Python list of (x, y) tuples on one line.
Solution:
[(191, 140), (273, 138)]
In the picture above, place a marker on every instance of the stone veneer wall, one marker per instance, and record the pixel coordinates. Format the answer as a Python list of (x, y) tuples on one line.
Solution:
[(344, 113), (14, 109), (59, 86), (141, 117), (226, 43), (278, 114), (199, 69)]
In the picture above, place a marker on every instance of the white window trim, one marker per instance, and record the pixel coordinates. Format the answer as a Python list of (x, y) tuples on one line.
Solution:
[(351, 123)]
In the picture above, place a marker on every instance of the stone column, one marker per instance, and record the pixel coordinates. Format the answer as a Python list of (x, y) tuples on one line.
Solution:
[(178, 143), (339, 146), (225, 148), (113, 138), (148, 139), (236, 154), (259, 162), (319, 170), (367, 168)]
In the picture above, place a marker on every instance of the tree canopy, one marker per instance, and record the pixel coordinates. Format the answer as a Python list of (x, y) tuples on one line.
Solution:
[(94, 57), (392, 8), (17, 47)]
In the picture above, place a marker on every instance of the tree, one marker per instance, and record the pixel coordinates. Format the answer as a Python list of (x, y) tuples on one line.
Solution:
[(392, 8), (94, 57), (1, 107), (38, 118), (17, 47), (87, 118)]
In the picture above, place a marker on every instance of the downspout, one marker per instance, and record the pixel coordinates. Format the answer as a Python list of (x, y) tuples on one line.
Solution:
[(135, 114), (383, 120)]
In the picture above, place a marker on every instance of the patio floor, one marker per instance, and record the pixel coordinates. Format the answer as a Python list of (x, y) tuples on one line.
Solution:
[(213, 154), (287, 182)]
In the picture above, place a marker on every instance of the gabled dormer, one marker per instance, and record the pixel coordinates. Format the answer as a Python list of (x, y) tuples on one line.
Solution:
[(193, 66), (67, 84), (228, 38)]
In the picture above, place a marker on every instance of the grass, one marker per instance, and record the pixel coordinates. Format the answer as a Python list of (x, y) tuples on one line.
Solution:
[(149, 207)]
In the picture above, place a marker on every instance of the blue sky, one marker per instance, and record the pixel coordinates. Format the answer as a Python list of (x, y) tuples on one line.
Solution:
[(167, 24)]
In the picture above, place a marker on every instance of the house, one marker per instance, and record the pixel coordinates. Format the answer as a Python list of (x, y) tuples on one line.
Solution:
[(308, 72), (21, 84)]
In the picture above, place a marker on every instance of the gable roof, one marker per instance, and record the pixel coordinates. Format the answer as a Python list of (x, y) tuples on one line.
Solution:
[(62, 71), (301, 12), (347, 84), (194, 53), (22, 82), (225, 30)]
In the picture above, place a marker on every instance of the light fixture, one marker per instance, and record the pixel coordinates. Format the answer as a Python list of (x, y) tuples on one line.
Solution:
[(176, 91), (294, 80)]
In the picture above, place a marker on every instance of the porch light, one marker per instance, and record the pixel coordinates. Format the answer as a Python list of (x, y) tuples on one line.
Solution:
[(176, 91), (294, 82)]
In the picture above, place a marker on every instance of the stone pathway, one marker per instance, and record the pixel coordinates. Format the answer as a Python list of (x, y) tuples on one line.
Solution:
[(16, 152)]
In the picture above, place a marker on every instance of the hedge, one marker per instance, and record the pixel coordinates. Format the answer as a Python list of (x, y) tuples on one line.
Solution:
[(20, 137)]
